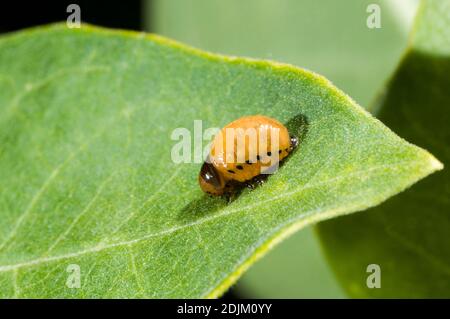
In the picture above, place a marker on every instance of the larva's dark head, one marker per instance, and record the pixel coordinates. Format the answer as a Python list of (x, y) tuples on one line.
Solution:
[(210, 180)]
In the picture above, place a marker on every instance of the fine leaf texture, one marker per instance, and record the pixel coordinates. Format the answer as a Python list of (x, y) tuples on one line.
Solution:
[(297, 32), (87, 177), (407, 236)]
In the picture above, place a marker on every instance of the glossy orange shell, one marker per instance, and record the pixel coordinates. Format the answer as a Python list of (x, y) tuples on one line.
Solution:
[(253, 153)]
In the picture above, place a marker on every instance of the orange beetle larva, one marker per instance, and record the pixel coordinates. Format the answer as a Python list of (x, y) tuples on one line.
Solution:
[(255, 143)]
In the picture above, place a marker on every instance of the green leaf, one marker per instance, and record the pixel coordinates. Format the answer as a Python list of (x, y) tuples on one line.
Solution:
[(408, 235), (87, 176), (296, 32)]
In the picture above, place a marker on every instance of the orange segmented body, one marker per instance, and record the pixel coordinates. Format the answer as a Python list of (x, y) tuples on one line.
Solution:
[(242, 150)]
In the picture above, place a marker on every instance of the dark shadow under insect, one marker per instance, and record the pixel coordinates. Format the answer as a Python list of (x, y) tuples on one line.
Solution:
[(207, 205)]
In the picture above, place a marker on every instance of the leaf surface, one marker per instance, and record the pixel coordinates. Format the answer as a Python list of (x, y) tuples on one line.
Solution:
[(299, 33), (87, 178)]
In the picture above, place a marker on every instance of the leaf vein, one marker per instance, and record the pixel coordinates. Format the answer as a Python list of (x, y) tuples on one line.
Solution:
[(99, 248)]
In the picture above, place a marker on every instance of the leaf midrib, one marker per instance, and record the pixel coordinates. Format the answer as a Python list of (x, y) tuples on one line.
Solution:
[(100, 247)]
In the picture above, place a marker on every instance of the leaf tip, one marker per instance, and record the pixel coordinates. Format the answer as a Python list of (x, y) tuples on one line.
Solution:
[(435, 164)]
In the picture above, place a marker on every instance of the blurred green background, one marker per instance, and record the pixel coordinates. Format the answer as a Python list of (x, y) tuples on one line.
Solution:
[(329, 37)]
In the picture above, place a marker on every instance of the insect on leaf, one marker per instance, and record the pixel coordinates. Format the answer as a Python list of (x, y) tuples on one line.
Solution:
[(91, 203)]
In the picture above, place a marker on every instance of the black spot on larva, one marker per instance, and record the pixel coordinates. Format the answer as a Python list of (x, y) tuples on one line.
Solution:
[(286, 149), (258, 157), (230, 171), (239, 167), (279, 152), (248, 162), (269, 153)]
